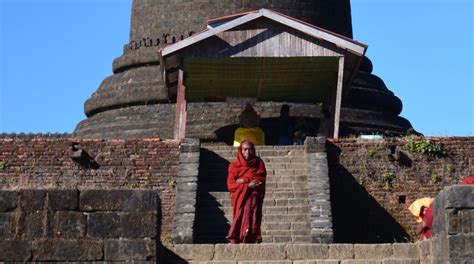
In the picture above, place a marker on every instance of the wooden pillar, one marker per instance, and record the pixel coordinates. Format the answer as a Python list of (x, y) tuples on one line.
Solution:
[(181, 107), (336, 102)]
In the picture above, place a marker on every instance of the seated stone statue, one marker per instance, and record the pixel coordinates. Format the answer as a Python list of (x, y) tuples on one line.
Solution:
[(249, 128)]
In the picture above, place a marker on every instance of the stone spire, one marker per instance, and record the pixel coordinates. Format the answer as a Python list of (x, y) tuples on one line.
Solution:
[(134, 103)]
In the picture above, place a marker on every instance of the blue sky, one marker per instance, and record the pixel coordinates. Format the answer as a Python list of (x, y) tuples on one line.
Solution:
[(55, 53)]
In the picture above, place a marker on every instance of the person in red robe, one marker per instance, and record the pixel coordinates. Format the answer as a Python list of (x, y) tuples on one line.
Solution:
[(246, 183)]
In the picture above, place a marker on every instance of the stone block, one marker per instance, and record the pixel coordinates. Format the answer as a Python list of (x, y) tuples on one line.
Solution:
[(104, 225), (183, 234), (187, 187), (250, 252), (467, 221), (138, 225), (186, 208), (308, 251), (373, 251), (401, 261), (190, 157), (142, 201), (315, 144), (361, 261), (31, 224), (186, 148), (69, 224), (100, 200), (406, 250), (129, 249), (194, 252), (425, 248), (62, 200), (459, 196), (461, 246), (266, 262), (32, 200), (15, 250), (67, 250), (7, 200), (187, 173), (454, 221), (341, 251), (7, 225)]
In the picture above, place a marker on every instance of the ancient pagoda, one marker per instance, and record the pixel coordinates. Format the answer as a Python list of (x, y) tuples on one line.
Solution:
[(138, 100)]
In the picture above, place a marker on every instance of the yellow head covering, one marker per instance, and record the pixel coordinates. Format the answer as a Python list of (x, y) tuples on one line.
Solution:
[(415, 207)]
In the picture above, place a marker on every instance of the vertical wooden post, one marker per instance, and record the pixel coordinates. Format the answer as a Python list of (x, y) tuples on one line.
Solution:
[(181, 107), (338, 99)]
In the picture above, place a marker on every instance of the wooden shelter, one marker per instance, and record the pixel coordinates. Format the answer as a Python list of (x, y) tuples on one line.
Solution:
[(261, 54)]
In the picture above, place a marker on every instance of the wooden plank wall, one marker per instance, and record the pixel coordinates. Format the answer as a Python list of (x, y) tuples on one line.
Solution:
[(263, 38)]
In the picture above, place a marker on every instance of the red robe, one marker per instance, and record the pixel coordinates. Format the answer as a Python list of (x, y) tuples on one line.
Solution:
[(246, 202)]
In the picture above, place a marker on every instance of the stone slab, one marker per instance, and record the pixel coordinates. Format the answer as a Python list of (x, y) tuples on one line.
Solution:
[(67, 250), (32, 200), (129, 249), (406, 250), (307, 251), (373, 251), (61, 200), (103, 225), (15, 250), (7, 200), (194, 252), (341, 251), (69, 224), (250, 252)]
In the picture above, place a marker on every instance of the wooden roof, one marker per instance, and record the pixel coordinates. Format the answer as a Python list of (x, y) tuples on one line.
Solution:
[(228, 22), (262, 54)]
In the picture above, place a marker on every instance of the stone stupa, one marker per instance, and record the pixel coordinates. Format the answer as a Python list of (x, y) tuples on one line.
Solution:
[(133, 102)]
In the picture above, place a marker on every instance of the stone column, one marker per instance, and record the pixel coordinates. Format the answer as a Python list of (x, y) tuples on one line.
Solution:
[(318, 183), (186, 191), (453, 225)]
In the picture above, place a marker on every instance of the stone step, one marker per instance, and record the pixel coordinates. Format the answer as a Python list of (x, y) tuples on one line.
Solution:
[(227, 210), (225, 160), (276, 194), (295, 253), (266, 202), (290, 218)]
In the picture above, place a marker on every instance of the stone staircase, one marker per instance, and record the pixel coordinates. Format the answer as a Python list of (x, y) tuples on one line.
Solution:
[(286, 207)]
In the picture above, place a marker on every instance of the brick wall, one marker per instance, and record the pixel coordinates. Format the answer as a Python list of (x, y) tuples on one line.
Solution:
[(46, 163), (67, 225), (374, 181)]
